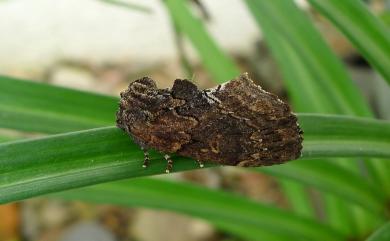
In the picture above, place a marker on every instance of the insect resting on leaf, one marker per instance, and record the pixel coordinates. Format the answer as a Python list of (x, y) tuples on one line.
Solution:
[(237, 123)]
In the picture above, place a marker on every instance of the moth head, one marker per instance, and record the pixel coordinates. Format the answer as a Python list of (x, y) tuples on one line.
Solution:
[(136, 102), (139, 87), (142, 101)]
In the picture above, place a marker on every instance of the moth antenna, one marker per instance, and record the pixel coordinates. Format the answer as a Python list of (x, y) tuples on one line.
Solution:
[(193, 77)]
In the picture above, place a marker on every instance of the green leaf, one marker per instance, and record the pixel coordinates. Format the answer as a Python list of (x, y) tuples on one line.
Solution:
[(66, 170), (5, 138), (308, 94), (76, 159), (382, 234), (38, 107), (317, 82), (78, 110), (247, 218), (368, 34), (65, 109), (217, 63), (330, 177), (300, 89), (328, 136), (34, 167), (385, 18), (283, 18)]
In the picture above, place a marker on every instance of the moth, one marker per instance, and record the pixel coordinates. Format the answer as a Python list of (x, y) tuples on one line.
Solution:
[(236, 123)]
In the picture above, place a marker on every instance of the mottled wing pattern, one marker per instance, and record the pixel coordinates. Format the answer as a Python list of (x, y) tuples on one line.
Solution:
[(275, 137), (148, 115), (237, 123)]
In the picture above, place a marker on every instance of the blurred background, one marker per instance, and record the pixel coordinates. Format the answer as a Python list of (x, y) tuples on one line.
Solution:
[(101, 46)]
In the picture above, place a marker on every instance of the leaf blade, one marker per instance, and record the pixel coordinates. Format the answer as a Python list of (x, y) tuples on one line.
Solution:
[(330, 177), (217, 63), (382, 234), (242, 212), (22, 107), (364, 30), (58, 162)]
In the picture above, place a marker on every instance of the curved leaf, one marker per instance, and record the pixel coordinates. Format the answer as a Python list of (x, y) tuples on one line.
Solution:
[(382, 234), (317, 82), (363, 29), (39, 107), (246, 217), (332, 178), (33, 167), (217, 63)]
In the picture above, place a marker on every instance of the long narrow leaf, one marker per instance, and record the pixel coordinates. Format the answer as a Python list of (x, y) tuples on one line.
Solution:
[(32, 167), (248, 218), (219, 65), (301, 90), (363, 29), (331, 178), (37, 107), (297, 57), (66, 174), (382, 234), (6, 138), (279, 15), (316, 79)]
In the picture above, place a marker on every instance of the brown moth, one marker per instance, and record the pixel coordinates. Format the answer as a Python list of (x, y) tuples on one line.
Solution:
[(237, 123)]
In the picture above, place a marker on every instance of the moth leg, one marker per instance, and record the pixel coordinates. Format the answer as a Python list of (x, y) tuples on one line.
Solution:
[(219, 87), (169, 163), (201, 164), (146, 159)]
